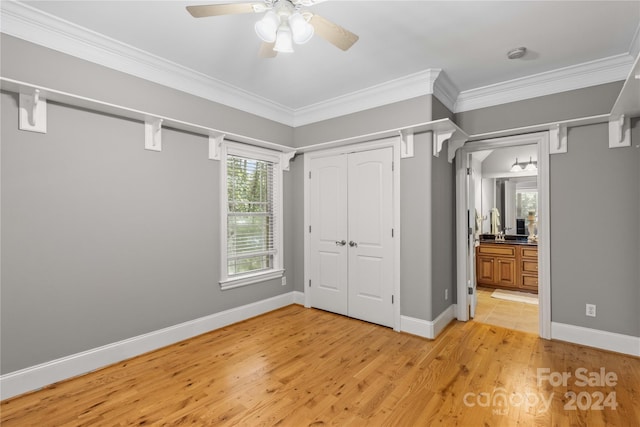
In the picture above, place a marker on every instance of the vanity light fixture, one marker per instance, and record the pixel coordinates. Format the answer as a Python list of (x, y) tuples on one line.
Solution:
[(516, 167), (531, 166)]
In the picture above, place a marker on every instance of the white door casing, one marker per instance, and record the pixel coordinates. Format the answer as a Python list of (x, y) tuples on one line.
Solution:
[(541, 139), (471, 237)]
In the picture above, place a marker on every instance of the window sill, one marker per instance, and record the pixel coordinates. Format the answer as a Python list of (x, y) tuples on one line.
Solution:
[(250, 279)]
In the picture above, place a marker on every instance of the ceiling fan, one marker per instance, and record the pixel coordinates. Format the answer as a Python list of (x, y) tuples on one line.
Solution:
[(283, 23)]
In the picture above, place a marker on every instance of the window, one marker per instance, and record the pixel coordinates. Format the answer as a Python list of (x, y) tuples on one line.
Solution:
[(252, 215), (526, 201)]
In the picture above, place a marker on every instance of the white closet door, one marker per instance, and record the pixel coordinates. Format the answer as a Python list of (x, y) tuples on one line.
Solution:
[(371, 248), (328, 243)]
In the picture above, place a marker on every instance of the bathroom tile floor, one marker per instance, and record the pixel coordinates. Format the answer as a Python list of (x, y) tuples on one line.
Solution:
[(519, 316)]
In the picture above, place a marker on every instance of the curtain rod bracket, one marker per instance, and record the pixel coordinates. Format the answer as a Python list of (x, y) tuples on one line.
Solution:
[(406, 143), (33, 112), (215, 145), (619, 132), (153, 134)]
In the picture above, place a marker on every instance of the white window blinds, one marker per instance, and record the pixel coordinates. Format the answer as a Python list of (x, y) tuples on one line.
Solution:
[(251, 216)]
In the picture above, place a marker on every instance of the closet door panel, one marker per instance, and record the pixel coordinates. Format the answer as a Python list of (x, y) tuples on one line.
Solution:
[(370, 207), (328, 217)]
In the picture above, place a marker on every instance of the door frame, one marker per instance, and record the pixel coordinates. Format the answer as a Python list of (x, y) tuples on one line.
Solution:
[(394, 143), (541, 139)]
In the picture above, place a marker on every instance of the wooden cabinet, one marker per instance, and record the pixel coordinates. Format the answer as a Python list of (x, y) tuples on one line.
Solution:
[(529, 268), (509, 266), (496, 265), (485, 271)]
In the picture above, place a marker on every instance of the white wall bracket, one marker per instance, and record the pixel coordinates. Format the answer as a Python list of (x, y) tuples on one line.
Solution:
[(285, 159), (33, 112), (153, 134), (454, 144), (215, 146), (406, 144), (440, 136), (620, 132), (446, 130), (558, 139)]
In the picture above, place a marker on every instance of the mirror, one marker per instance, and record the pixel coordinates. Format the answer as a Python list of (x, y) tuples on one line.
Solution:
[(506, 201)]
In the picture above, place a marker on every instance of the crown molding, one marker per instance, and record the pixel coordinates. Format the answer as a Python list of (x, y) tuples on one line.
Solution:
[(411, 86), (30, 24), (601, 71), (446, 91)]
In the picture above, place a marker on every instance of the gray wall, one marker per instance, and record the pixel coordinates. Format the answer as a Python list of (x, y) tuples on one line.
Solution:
[(404, 113), (440, 111), (416, 233), (594, 208), (296, 175), (30, 63), (418, 294), (103, 240), (443, 233), (591, 101), (595, 231)]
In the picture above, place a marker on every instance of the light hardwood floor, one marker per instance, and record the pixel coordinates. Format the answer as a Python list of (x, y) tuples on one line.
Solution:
[(305, 367), (508, 314)]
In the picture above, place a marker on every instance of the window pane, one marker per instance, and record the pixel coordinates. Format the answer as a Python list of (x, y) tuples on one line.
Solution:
[(247, 234), (248, 265), (250, 217), (526, 201)]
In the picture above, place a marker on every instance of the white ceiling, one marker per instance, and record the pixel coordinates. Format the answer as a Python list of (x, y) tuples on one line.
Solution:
[(467, 40)]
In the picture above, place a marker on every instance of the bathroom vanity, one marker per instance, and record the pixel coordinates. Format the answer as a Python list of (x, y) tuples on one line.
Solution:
[(509, 264)]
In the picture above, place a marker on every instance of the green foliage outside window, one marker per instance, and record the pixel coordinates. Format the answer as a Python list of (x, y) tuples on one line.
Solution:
[(250, 219), (526, 201)]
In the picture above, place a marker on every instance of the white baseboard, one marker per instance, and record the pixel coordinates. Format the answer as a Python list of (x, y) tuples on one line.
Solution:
[(298, 297), (36, 377), (604, 340), (428, 328)]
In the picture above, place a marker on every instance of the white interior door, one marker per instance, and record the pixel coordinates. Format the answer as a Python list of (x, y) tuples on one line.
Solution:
[(328, 243), (350, 241), (371, 246)]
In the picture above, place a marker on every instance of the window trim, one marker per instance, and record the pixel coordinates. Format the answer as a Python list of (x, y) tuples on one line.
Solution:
[(277, 271)]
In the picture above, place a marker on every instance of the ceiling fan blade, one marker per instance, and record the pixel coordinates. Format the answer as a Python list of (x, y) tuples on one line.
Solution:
[(202, 11), (266, 50), (333, 33)]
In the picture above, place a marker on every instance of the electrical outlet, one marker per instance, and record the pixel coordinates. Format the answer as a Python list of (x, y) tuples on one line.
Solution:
[(446, 294), (284, 280), (591, 310)]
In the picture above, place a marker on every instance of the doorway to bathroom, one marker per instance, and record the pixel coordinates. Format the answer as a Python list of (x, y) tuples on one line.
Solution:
[(503, 232)]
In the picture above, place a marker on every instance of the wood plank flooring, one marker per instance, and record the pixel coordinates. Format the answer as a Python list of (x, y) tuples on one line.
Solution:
[(519, 316), (305, 367)]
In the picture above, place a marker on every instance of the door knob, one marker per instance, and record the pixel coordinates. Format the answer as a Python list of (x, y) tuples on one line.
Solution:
[(341, 243), (353, 244)]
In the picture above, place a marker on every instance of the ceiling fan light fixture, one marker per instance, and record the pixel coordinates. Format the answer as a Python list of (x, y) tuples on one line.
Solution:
[(267, 27), (284, 39), (301, 30)]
